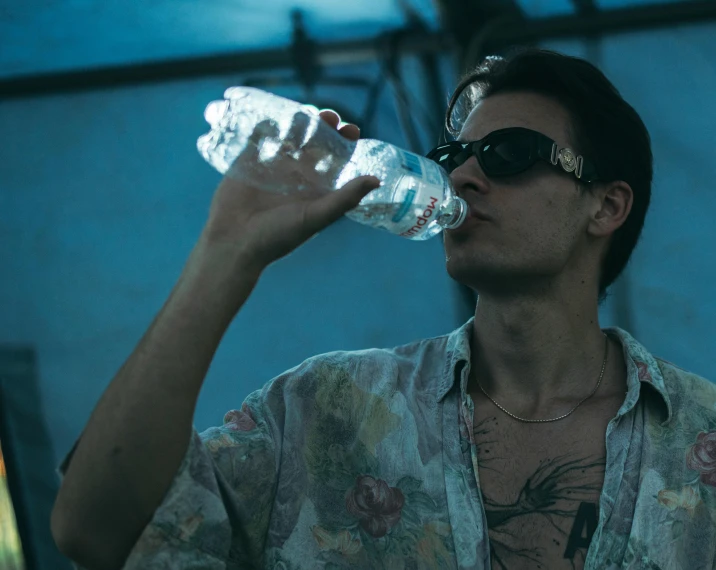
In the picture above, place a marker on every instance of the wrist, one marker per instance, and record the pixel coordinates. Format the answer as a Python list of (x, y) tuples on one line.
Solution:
[(217, 280), (234, 254)]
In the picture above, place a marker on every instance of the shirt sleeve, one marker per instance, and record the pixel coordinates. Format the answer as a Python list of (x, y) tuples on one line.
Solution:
[(216, 512)]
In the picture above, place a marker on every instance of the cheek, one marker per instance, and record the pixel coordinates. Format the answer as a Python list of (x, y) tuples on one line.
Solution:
[(540, 227), (533, 218), (529, 201)]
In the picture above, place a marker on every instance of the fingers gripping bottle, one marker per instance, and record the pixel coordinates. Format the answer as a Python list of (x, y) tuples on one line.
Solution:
[(282, 146)]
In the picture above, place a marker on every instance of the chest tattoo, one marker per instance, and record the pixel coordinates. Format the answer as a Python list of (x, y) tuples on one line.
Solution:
[(585, 523), (554, 513)]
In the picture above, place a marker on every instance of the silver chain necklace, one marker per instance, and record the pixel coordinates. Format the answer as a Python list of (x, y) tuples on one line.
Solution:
[(601, 375)]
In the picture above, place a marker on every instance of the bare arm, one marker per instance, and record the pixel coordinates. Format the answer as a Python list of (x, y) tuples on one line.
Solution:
[(139, 431), (138, 434)]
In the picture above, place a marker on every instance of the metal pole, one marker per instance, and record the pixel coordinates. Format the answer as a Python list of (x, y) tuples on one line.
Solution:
[(334, 54)]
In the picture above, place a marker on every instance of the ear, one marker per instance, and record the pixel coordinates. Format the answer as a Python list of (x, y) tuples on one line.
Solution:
[(613, 202)]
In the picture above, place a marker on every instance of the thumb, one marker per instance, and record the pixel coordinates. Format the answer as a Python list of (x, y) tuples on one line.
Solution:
[(329, 208)]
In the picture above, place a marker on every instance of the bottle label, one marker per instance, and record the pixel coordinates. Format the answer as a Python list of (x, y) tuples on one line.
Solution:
[(423, 219), (411, 163), (433, 172), (421, 167), (405, 207)]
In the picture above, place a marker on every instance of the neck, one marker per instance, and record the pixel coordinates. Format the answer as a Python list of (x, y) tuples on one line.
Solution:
[(538, 355)]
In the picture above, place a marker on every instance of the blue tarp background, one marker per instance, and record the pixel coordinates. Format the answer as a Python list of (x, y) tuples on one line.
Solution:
[(102, 195)]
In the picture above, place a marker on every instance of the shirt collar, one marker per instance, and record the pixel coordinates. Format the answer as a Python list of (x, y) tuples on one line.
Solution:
[(641, 366), (457, 350)]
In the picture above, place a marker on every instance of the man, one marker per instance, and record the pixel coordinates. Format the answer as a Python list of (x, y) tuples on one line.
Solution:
[(528, 438)]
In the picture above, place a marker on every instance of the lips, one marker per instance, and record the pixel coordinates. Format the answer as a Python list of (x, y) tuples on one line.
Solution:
[(478, 214), (474, 218), (474, 213)]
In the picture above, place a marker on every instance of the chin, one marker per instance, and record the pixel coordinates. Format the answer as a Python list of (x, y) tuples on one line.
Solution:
[(467, 271), (464, 255), (483, 274)]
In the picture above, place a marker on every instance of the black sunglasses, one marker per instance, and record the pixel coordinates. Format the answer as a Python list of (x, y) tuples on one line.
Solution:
[(511, 151)]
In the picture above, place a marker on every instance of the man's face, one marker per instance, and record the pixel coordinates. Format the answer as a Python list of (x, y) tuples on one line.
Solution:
[(538, 222)]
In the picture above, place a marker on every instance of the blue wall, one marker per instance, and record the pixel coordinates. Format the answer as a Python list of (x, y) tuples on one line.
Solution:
[(669, 77), (102, 195)]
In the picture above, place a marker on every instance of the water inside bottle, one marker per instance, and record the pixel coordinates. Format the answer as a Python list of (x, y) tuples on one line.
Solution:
[(376, 210), (409, 208)]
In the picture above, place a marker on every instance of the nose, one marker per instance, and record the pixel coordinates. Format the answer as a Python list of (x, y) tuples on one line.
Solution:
[(469, 176)]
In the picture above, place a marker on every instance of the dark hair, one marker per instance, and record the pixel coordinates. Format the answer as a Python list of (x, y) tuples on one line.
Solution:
[(605, 127)]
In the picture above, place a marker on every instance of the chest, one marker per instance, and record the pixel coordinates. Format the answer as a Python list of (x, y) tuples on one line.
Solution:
[(541, 485)]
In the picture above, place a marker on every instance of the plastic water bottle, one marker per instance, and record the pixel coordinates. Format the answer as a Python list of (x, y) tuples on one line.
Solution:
[(282, 146)]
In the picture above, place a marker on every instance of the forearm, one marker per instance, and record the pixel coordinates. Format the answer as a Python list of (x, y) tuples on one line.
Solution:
[(138, 433)]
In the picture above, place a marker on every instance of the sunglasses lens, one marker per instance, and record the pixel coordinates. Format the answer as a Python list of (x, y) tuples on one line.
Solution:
[(446, 156), (507, 154), (501, 154)]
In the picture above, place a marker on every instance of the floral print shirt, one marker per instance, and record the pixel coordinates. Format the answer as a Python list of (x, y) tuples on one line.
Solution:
[(361, 460)]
